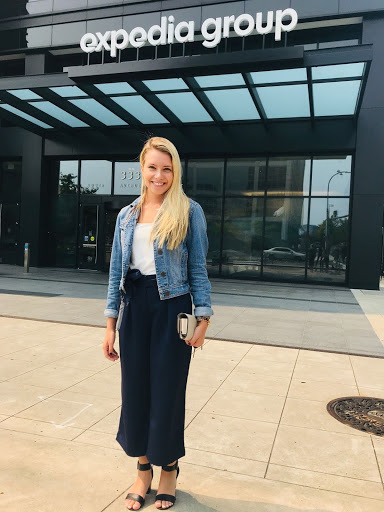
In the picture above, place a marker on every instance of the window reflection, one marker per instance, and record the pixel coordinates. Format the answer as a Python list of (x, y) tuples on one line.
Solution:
[(328, 239), (62, 222), (242, 242), (205, 177), (246, 177), (212, 209), (289, 176), (285, 237), (96, 177), (331, 176), (257, 219), (68, 177)]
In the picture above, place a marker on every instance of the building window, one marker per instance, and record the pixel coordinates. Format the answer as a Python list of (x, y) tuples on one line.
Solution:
[(10, 192), (284, 253), (284, 218), (96, 177), (127, 179), (62, 223), (242, 236), (245, 177), (205, 177), (288, 176), (331, 176), (328, 239)]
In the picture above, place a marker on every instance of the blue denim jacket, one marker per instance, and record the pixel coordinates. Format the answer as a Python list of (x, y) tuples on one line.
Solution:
[(179, 271)]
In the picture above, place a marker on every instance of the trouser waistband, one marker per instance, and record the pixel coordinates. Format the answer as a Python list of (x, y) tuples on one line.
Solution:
[(134, 276)]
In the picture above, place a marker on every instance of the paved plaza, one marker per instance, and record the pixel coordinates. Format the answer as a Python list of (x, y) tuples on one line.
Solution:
[(288, 315), (258, 436)]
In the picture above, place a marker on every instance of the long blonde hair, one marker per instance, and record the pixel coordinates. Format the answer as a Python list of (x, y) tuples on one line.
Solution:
[(171, 222)]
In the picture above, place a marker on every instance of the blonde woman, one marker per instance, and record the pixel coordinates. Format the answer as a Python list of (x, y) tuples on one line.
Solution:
[(158, 261)]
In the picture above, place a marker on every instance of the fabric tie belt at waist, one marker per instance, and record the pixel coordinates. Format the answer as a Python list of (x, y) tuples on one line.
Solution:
[(134, 278)]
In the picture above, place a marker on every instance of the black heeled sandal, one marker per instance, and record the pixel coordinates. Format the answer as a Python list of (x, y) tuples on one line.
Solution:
[(168, 497), (136, 497)]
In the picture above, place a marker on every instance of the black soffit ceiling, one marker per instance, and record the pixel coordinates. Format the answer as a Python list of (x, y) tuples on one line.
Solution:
[(311, 92)]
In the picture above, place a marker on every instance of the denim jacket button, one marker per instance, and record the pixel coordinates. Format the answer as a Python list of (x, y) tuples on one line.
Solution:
[(163, 274), (160, 251), (166, 293)]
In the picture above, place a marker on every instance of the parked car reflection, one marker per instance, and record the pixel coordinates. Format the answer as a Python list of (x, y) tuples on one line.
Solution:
[(228, 256), (283, 254)]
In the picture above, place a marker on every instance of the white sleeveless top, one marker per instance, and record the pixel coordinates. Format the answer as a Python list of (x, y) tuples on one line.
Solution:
[(142, 256)]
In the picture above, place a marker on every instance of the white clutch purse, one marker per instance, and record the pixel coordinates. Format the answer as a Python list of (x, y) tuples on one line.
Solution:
[(186, 325)]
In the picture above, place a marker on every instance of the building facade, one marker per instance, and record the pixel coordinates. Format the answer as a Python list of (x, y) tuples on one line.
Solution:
[(276, 108)]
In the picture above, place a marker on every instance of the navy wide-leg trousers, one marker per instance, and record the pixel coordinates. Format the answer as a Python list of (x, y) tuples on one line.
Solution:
[(154, 371)]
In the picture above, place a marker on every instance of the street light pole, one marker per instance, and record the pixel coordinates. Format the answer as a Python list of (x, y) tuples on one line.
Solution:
[(327, 212), (338, 172)]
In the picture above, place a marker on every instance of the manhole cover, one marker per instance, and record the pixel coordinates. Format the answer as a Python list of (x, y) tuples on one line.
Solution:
[(360, 412)]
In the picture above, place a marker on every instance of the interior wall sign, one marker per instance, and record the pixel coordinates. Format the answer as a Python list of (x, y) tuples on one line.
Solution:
[(213, 31)]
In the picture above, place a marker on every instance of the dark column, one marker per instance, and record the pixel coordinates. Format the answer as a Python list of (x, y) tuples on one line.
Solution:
[(31, 194), (368, 188)]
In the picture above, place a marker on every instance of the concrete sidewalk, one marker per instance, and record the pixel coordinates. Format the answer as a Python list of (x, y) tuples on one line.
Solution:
[(258, 436), (287, 315)]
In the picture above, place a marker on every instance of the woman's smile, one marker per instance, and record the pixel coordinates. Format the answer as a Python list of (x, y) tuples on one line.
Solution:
[(157, 172)]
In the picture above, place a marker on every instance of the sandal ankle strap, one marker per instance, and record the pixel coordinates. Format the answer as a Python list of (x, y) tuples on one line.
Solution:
[(171, 468), (143, 467)]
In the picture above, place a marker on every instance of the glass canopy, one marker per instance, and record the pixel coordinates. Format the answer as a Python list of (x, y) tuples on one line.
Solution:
[(297, 93)]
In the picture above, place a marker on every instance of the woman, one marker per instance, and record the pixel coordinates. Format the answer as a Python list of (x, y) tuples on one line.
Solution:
[(158, 260)]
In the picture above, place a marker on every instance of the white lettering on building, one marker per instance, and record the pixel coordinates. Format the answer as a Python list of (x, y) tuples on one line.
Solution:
[(213, 31)]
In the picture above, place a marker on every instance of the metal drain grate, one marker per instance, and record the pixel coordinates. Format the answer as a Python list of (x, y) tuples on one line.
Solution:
[(359, 412)]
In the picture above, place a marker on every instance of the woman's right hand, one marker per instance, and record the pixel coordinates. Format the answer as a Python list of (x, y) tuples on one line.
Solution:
[(109, 340)]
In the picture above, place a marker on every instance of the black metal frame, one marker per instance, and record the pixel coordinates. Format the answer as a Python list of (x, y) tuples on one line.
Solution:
[(181, 67), (100, 199), (265, 196)]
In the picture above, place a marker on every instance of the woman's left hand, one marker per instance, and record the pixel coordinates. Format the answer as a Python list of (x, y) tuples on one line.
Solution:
[(199, 335)]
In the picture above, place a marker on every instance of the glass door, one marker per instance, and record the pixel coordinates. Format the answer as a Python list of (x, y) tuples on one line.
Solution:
[(9, 232), (110, 222), (10, 187), (89, 234)]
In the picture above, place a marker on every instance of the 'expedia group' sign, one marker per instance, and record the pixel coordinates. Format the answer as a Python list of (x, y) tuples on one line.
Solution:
[(213, 31)]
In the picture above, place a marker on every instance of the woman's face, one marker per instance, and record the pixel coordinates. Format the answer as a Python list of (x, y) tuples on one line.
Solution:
[(157, 172)]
